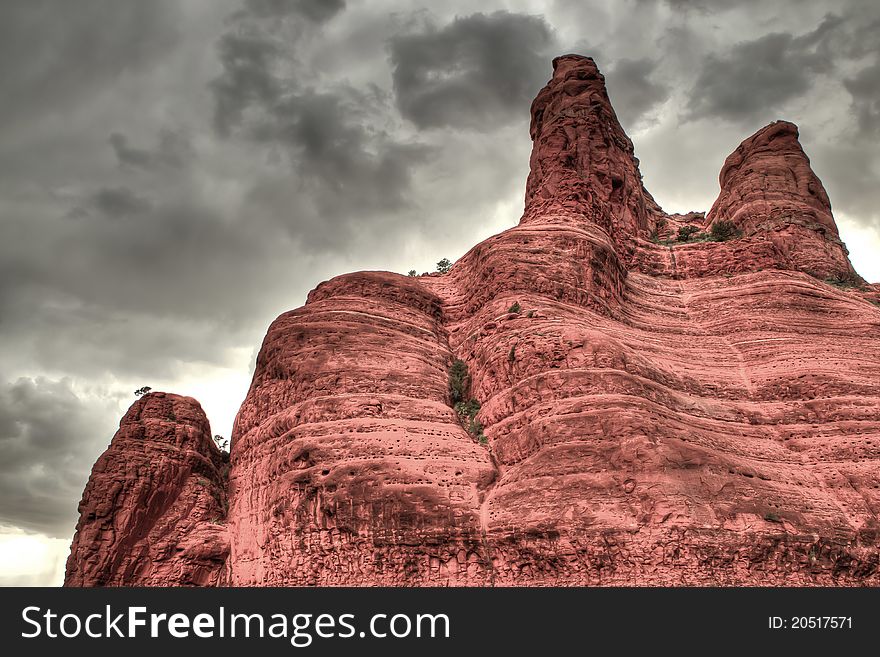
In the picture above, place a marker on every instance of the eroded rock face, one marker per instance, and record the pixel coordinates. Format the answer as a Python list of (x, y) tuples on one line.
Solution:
[(349, 466), (657, 413), (583, 168), (153, 510), (769, 191)]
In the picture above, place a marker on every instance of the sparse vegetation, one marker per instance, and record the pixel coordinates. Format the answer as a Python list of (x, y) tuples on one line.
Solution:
[(511, 355), (466, 407), (515, 308), (140, 392), (530, 314), (412, 273), (659, 227), (686, 232), (221, 442), (444, 266), (771, 516), (459, 382), (724, 230), (844, 280)]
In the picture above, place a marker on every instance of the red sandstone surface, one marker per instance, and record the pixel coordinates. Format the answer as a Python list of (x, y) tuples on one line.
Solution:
[(656, 412), (153, 510)]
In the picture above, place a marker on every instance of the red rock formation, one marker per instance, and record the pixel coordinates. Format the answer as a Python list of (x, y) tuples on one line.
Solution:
[(769, 191), (657, 412), (348, 464), (583, 168), (152, 512)]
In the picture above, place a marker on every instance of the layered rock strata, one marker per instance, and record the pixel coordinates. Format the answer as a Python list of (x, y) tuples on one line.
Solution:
[(656, 412)]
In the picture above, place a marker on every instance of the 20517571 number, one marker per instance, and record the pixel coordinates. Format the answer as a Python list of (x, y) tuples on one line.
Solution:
[(810, 623)]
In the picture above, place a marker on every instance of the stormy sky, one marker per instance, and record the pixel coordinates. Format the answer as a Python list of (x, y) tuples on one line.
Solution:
[(173, 175)]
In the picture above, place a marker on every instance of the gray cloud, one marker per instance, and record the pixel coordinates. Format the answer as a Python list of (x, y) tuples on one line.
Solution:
[(50, 437), (118, 202), (759, 76), (318, 11), (864, 87), (476, 71), (345, 167), (708, 6), (247, 78), (633, 89), (52, 52), (172, 150)]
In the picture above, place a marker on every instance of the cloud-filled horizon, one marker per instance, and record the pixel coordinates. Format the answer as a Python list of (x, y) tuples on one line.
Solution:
[(173, 175)]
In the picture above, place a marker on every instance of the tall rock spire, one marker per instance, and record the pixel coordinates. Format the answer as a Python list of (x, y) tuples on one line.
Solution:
[(582, 167)]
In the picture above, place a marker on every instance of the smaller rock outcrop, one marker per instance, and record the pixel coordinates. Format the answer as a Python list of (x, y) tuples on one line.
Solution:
[(152, 512), (769, 191)]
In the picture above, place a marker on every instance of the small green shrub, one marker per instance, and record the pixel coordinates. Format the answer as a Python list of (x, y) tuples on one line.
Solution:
[(412, 273), (724, 230), (511, 355), (515, 308), (467, 409), (770, 516), (685, 233), (659, 227), (444, 266), (459, 381), (844, 280), (140, 392), (530, 314)]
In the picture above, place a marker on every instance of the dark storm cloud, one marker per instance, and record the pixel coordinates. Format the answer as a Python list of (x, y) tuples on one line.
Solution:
[(250, 54), (247, 79), (346, 166), (172, 150), (318, 11), (475, 72), (52, 51), (49, 437), (633, 89), (708, 6), (864, 87), (118, 202), (759, 76)]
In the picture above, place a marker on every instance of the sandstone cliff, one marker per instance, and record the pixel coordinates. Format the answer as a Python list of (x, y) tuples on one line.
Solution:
[(656, 412)]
